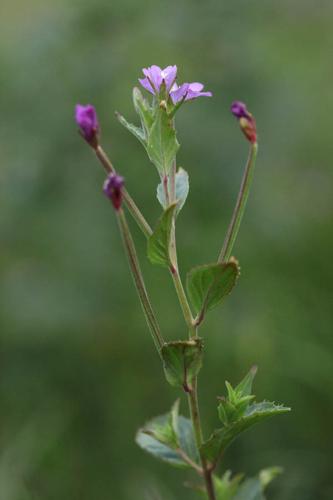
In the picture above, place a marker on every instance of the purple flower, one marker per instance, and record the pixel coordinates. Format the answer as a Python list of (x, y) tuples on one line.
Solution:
[(188, 92), (155, 77), (113, 189), (86, 118), (246, 120)]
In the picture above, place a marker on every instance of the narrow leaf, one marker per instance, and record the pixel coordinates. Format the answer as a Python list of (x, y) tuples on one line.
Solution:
[(143, 109), (162, 143), (208, 285), (136, 131), (182, 189), (159, 242), (182, 361), (244, 388)]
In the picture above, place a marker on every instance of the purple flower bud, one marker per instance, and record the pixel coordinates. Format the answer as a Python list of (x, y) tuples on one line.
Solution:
[(246, 120), (113, 189), (239, 109), (86, 118)]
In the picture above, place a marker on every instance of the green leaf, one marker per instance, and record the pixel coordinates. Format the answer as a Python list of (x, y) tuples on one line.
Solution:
[(221, 438), (208, 285), (166, 435), (182, 361), (160, 450), (238, 399), (250, 490), (267, 475), (244, 388), (158, 245), (162, 144), (226, 487), (253, 488), (136, 131), (182, 189), (143, 109), (186, 439)]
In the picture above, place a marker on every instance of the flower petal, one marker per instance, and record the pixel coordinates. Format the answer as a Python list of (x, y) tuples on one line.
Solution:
[(146, 85), (154, 74), (169, 75), (196, 86), (179, 93)]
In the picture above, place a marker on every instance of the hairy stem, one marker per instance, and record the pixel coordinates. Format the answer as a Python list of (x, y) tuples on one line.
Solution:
[(131, 205), (139, 282), (240, 205)]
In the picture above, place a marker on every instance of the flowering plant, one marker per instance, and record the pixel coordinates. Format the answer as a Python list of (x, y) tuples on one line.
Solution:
[(173, 438)]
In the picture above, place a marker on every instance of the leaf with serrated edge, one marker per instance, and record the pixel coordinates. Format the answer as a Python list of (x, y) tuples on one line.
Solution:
[(158, 245), (182, 361), (181, 190), (221, 438), (208, 285)]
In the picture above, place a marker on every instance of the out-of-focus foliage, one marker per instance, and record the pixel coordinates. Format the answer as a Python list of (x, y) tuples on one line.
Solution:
[(78, 369)]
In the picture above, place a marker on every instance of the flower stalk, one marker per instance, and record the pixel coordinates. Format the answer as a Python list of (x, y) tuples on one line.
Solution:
[(130, 203), (240, 206), (139, 281)]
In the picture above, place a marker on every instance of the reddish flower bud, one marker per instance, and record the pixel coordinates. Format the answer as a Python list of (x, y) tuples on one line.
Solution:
[(246, 120), (113, 189)]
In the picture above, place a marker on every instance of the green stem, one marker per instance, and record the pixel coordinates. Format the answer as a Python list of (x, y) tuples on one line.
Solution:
[(240, 205), (131, 205), (173, 182), (139, 281), (193, 332), (196, 422), (183, 300)]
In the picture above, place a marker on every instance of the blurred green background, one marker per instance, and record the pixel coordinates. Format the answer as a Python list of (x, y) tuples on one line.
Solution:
[(78, 372)]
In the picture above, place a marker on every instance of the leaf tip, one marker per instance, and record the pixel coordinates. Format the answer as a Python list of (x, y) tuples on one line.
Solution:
[(254, 370)]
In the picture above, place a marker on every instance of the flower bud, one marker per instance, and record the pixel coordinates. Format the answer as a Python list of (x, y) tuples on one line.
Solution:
[(86, 118), (113, 189), (246, 120)]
